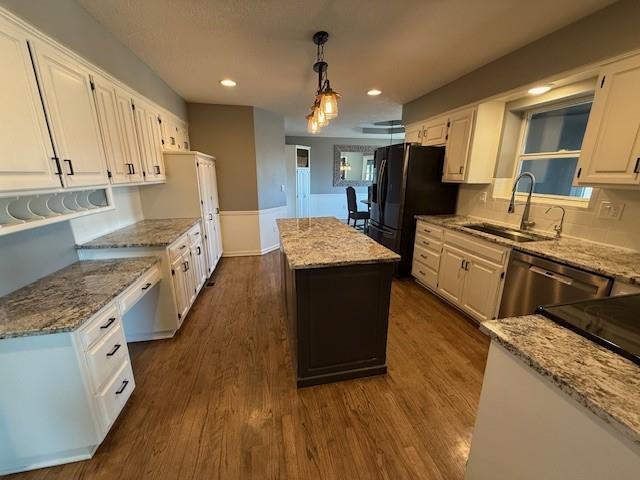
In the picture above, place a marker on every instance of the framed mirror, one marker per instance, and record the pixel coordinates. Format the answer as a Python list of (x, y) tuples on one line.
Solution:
[(353, 165)]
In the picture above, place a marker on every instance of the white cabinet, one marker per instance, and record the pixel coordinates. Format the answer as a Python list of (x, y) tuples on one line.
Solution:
[(67, 95), (175, 135), (27, 152), (147, 120), (180, 275), (207, 183), (413, 134), (115, 115), (457, 147), (188, 269), (611, 147), (435, 132), (200, 268), (464, 270)]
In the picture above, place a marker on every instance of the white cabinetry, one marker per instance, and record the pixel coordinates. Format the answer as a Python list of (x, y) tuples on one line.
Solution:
[(66, 91), (435, 132), (462, 269), (175, 135), (27, 153), (150, 140), (188, 269), (611, 147), (191, 191), (115, 115)]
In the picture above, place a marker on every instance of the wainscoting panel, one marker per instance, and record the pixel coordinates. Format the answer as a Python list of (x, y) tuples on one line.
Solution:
[(250, 232), (334, 204)]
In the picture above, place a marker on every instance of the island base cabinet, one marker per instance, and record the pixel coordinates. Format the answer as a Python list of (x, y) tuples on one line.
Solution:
[(526, 428), (337, 321)]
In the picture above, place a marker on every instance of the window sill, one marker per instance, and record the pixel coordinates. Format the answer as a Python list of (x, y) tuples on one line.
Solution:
[(502, 191)]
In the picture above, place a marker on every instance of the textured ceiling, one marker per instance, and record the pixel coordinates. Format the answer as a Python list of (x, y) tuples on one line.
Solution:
[(404, 48)]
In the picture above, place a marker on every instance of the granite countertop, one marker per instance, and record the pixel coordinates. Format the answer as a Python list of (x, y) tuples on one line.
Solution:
[(616, 262), (147, 233), (64, 300), (327, 242), (604, 382)]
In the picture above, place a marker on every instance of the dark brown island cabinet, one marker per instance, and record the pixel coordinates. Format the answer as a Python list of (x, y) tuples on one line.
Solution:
[(337, 287)]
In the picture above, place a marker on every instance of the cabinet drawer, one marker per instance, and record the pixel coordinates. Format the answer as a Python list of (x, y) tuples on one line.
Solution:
[(179, 247), (481, 248), (426, 257), (113, 397), (107, 356), (428, 243), (103, 323), (136, 291), (430, 231), (424, 274), (195, 235)]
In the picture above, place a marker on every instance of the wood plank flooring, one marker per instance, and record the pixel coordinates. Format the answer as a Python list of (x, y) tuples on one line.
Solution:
[(219, 401)]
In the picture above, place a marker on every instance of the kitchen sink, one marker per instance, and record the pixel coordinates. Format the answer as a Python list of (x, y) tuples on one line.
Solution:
[(506, 232)]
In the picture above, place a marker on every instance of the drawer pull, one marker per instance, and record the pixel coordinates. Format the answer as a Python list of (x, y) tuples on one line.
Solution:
[(122, 387), (199, 250), (109, 323), (426, 230), (116, 347), (182, 247), (423, 255), (421, 272), (425, 243), (147, 285)]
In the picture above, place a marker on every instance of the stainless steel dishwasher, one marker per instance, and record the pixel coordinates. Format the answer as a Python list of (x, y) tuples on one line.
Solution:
[(532, 281)]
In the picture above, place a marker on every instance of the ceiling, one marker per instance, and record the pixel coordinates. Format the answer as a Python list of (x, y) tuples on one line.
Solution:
[(404, 48)]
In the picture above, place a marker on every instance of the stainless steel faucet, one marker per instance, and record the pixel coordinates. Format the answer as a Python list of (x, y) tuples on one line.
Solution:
[(525, 223), (558, 227)]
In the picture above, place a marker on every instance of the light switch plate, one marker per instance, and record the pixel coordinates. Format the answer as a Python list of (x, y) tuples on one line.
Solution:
[(483, 197), (610, 210)]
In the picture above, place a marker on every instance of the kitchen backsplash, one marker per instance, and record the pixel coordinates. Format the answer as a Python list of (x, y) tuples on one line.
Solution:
[(579, 222)]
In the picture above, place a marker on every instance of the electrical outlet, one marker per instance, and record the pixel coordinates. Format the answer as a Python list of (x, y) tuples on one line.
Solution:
[(483, 197), (610, 210)]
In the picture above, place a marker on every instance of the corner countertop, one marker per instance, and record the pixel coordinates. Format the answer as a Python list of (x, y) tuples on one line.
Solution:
[(602, 381), (616, 262), (147, 233), (318, 242), (64, 300)]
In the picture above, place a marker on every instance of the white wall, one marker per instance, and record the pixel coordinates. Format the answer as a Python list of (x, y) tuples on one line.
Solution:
[(333, 204)]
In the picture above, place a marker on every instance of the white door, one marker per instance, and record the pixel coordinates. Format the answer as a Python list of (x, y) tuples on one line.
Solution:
[(199, 257), (451, 273), (481, 287), (302, 192), (216, 209), (191, 277), (457, 145), (611, 147), (179, 269), (27, 152), (207, 188), (435, 132), (149, 140), (73, 119)]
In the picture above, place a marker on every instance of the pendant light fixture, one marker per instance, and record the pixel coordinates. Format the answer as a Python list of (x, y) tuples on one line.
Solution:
[(325, 105)]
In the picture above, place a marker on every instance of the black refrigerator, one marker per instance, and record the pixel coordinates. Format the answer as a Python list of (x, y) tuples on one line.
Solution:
[(407, 182)]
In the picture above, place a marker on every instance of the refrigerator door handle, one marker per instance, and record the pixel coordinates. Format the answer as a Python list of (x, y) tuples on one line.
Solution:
[(383, 190)]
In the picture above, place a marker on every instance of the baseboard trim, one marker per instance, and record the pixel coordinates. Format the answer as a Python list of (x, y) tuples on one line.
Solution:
[(70, 456), (147, 337)]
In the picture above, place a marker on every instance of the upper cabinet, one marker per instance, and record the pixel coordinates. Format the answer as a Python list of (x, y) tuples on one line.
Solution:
[(148, 128), (175, 134), (115, 115), (27, 153), (471, 137), (69, 103), (611, 148)]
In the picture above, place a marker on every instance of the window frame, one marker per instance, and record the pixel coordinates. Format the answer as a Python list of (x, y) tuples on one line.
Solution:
[(521, 156)]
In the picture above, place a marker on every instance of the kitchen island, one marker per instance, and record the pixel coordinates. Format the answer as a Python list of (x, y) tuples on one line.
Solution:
[(554, 406), (337, 287)]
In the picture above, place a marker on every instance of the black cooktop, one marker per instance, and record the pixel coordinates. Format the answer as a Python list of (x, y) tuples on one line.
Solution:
[(613, 322)]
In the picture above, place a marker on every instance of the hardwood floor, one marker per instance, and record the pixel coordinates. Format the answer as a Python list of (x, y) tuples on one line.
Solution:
[(219, 400)]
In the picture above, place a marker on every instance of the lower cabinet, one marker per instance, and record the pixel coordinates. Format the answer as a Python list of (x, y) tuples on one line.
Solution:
[(462, 269)]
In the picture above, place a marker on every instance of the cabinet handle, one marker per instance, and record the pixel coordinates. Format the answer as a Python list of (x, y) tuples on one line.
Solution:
[(466, 265), (172, 140), (423, 255), (116, 347), (425, 243), (58, 167), (109, 323), (199, 250), (146, 286), (182, 247), (637, 168), (186, 145), (71, 172), (211, 216), (421, 272), (217, 210), (188, 267), (156, 169), (461, 169), (122, 388), (462, 263)]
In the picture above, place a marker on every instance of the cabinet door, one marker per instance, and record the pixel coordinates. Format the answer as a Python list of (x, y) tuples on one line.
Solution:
[(451, 273), (111, 130), (199, 259), (435, 132), (205, 185), (129, 135), (170, 133), (611, 147), (216, 216), (73, 119), (179, 269), (149, 140), (27, 152), (183, 136), (458, 141), (482, 282), (413, 134)]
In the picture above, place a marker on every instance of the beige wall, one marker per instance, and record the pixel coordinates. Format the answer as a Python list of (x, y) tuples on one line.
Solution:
[(604, 34), (270, 158), (227, 133), (70, 24)]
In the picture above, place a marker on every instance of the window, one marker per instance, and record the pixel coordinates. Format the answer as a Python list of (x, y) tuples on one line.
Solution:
[(550, 149)]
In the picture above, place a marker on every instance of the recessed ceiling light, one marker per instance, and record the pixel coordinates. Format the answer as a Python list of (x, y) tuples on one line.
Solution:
[(539, 90), (227, 82), (374, 92)]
